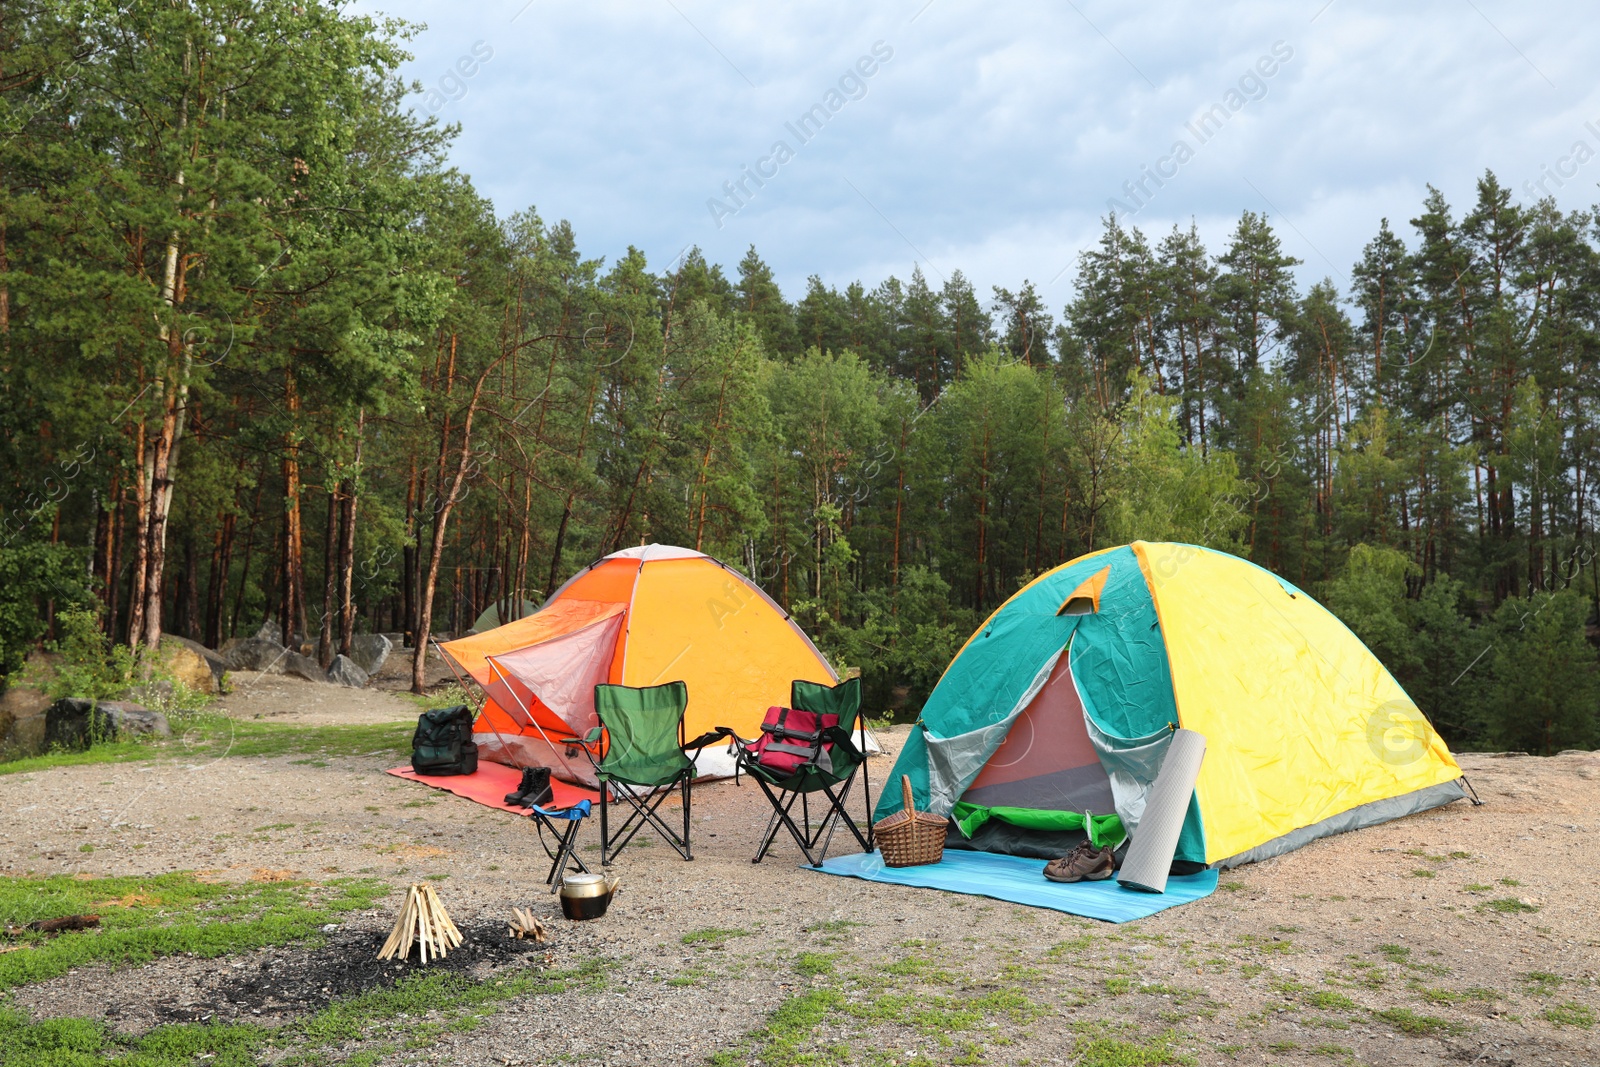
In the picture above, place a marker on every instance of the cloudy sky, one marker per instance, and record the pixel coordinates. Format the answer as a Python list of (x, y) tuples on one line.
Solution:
[(991, 138)]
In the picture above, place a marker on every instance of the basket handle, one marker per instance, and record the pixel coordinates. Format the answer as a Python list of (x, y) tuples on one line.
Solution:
[(910, 799)]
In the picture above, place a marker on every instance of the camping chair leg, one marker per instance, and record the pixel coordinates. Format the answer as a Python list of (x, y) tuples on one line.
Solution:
[(766, 835), (840, 804), (687, 853), (782, 809), (645, 812), (866, 788), (838, 813), (567, 853)]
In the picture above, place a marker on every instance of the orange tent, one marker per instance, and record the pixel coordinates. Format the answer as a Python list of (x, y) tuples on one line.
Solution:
[(638, 617)]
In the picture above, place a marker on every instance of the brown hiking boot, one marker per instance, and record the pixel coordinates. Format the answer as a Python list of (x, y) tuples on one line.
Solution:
[(1086, 863)]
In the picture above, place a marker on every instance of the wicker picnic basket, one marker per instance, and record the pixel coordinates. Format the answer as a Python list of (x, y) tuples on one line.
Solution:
[(910, 838)]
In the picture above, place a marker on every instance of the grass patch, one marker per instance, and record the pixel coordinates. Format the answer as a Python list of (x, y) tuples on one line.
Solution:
[(1327, 1000), (209, 736), (1508, 906), (144, 918), (1569, 1015), (452, 1002), (1409, 1022), (853, 1004), (1542, 983), (1099, 1045), (712, 935), (1066, 950), (815, 963)]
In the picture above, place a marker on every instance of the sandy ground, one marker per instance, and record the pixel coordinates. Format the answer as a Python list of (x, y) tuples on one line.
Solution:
[(1395, 917)]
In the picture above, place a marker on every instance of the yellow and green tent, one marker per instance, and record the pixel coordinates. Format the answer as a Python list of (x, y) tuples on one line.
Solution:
[(1062, 705)]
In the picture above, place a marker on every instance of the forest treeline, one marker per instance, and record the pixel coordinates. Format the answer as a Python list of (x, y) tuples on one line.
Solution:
[(266, 355)]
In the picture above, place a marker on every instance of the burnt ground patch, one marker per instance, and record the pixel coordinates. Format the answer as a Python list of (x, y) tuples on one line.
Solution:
[(288, 982), (276, 985)]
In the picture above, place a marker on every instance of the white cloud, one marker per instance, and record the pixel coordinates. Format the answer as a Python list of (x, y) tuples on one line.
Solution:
[(994, 137)]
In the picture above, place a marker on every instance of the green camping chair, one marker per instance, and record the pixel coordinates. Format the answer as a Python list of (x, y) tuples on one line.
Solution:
[(806, 753), (645, 758)]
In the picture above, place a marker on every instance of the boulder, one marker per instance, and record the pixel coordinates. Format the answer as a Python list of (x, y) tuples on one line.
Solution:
[(345, 671), (302, 666), (23, 704), (370, 651), (21, 734), (192, 664), (127, 719), (255, 654), (75, 723)]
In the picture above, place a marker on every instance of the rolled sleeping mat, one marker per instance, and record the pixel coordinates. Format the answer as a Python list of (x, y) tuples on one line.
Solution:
[(1149, 858)]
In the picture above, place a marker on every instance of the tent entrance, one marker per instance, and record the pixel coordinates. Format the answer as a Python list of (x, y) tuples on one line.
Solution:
[(547, 691), (1047, 764)]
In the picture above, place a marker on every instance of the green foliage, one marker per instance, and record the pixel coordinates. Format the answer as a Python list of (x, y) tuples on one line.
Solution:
[(1166, 492), (1545, 688), (89, 666), (1526, 680), (32, 574)]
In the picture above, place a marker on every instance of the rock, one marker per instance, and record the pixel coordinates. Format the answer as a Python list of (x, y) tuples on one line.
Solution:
[(256, 654), (75, 723), (22, 712), (302, 666), (192, 664), (127, 719), (345, 671), (370, 651)]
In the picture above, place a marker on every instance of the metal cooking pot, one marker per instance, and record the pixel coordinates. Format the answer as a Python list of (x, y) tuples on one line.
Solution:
[(586, 896)]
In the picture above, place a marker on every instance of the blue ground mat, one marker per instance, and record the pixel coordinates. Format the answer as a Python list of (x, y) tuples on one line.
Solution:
[(1019, 880)]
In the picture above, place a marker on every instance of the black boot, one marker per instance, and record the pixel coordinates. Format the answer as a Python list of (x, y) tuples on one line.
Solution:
[(518, 798), (539, 793)]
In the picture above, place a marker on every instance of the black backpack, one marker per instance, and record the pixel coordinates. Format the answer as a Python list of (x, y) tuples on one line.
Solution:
[(443, 742)]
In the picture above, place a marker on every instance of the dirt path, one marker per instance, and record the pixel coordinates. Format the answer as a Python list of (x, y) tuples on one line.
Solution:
[(1461, 935)]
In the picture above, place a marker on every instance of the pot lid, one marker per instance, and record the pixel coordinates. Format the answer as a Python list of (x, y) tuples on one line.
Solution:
[(583, 879)]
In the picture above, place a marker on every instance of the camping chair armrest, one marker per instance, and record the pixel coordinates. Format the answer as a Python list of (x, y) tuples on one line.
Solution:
[(844, 737), (711, 737), (585, 744), (738, 742)]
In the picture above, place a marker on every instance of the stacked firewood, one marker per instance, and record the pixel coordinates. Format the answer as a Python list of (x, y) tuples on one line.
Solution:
[(423, 922)]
